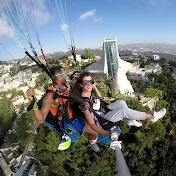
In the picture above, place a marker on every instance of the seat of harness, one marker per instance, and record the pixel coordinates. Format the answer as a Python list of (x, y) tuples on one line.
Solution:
[(104, 123)]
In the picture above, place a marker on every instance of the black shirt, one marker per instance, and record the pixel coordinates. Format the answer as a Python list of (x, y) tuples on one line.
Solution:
[(77, 112)]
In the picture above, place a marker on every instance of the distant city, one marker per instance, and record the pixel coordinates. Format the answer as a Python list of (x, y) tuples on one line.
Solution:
[(168, 51)]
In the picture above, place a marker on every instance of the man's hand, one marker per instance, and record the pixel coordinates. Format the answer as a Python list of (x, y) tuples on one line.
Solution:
[(30, 93)]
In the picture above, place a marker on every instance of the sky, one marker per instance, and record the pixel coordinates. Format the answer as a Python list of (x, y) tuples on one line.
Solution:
[(131, 21)]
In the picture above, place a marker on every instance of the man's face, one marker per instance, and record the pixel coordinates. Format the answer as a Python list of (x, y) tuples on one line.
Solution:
[(61, 77)]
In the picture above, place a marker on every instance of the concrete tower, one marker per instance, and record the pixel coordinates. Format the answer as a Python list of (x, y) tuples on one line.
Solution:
[(117, 68)]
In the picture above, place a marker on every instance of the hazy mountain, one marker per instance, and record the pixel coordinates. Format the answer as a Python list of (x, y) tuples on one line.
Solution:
[(3, 62), (165, 48)]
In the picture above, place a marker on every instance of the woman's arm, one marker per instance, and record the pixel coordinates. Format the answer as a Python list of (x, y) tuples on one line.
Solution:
[(97, 91), (92, 124)]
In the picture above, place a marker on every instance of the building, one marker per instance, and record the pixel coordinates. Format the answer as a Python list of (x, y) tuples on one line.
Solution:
[(121, 84), (142, 73), (111, 55), (113, 66), (156, 57), (117, 68), (148, 102), (79, 59), (17, 102), (98, 68), (10, 159), (135, 52), (5, 169)]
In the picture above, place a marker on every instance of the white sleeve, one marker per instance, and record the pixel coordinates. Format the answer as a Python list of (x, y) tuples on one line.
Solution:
[(96, 106)]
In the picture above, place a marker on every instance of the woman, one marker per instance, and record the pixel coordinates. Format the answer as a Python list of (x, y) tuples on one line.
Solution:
[(85, 85)]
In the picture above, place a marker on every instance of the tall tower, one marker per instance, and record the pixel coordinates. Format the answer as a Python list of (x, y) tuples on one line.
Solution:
[(111, 55), (117, 67)]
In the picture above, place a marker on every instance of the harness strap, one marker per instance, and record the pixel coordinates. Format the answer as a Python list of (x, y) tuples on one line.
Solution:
[(105, 124)]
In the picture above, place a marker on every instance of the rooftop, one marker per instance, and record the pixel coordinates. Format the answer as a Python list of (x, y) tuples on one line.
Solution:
[(97, 66)]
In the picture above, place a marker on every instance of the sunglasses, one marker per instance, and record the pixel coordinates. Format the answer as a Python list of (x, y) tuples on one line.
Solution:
[(61, 74), (87, 82)]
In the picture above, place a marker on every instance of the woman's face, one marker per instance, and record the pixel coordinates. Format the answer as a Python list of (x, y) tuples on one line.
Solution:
[(87, 83)]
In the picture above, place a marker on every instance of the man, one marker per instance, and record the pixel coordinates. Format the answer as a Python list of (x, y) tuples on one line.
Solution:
[(52, 109)]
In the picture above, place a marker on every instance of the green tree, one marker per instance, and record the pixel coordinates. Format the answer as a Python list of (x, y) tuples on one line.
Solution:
[(13, 70), (14, 92), (161, 104), (42, 80), (7, 117), (21, 129), (152, 76), (152, 92), (52, 141), (89, 54)]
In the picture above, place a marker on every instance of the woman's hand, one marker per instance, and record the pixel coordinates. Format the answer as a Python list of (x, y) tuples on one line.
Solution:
[(94, 86), (98, 94)]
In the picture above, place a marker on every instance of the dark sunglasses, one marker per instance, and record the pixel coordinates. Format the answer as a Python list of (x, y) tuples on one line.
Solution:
[(87, 82)]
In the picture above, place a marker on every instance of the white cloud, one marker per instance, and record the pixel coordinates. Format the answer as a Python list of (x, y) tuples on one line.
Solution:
[(92, 14), (99, 19), (85, 15), (3, 28), (41, 12), (64, 27), (156, 2)]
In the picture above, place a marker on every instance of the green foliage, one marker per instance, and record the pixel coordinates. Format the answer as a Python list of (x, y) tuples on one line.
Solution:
[(7, 116), (152, 76), (88, 54), (15, 92), (161, 104), (103, 88), (21, 129), (42, 80), (149, 150), (152, 92), (52, 142), (77, 160), (27, 141), (134, 104), (58, 61), (17, 68)]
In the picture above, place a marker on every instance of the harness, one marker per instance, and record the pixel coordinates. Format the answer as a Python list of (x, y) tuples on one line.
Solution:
[(63, 109), (104, 123), (59, 114)]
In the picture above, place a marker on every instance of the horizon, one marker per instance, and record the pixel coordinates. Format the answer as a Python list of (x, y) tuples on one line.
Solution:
[(66, 51), (134, 22)]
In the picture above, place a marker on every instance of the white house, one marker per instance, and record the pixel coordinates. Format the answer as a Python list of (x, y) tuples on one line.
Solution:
[(18, 100), (156, 57)]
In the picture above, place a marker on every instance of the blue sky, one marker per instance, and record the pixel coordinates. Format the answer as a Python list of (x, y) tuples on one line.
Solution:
[(131, 21)]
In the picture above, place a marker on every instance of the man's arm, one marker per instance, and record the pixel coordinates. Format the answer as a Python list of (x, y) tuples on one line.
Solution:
[(46, 105), (40, 115), (92, 124)]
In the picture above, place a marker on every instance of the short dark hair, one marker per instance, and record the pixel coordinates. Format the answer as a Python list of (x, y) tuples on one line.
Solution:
[(55, 70)]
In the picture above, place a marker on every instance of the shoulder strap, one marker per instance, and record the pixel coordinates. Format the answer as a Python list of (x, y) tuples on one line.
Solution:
[(105, 124), (104, 105)]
